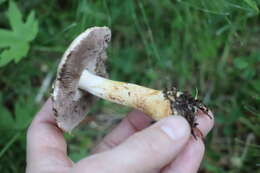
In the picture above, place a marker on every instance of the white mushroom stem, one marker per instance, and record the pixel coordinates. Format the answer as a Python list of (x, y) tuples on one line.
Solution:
[(150, 101)]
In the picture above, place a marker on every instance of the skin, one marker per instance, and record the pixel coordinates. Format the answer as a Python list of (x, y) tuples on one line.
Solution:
[(132, 147)]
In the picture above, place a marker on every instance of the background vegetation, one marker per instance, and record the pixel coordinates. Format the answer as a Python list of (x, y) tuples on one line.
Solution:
[(209, 45)]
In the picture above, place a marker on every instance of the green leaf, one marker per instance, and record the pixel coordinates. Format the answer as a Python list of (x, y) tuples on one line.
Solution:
[(6, 119), (241, 63), (248, 73), (252, 4), (9, 144), (31, 27), (256, 85), (2, 1), (16, 52), (7, 38), (24, 111), (16, 41), (14, 16)]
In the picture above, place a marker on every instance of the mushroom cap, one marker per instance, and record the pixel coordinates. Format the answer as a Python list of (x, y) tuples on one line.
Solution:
[(87, 51)]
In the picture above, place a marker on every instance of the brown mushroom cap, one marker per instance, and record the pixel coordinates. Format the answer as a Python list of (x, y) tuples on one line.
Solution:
[(87, 51)]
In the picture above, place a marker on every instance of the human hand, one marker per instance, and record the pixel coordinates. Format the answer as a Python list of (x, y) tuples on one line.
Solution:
[(165, 147)]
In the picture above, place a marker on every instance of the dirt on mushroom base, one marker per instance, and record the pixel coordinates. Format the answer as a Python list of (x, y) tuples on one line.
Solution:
[(182, 103)]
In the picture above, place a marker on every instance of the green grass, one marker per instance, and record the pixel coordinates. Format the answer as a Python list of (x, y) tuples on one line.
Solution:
[(209, 45)]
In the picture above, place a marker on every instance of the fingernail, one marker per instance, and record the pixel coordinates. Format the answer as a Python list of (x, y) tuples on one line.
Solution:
[(205, 124), (176, 127)]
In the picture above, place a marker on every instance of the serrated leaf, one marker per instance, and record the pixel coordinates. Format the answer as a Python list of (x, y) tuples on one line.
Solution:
[(31, 26), (15, 52), (14, 16), (7, 38), (16, 41)]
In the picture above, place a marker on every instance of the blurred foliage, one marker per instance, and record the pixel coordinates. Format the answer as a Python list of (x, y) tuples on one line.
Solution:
[(209, 45), (17, 39)]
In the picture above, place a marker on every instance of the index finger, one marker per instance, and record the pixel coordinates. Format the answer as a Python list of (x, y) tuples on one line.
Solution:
[(188, 161), (134, 122)]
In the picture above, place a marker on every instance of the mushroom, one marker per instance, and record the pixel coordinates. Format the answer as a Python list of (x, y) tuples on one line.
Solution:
[(87, 51), (81, 77)]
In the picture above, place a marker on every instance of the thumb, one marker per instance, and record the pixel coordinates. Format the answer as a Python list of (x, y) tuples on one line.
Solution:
[(154, 147), (146, 151)]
